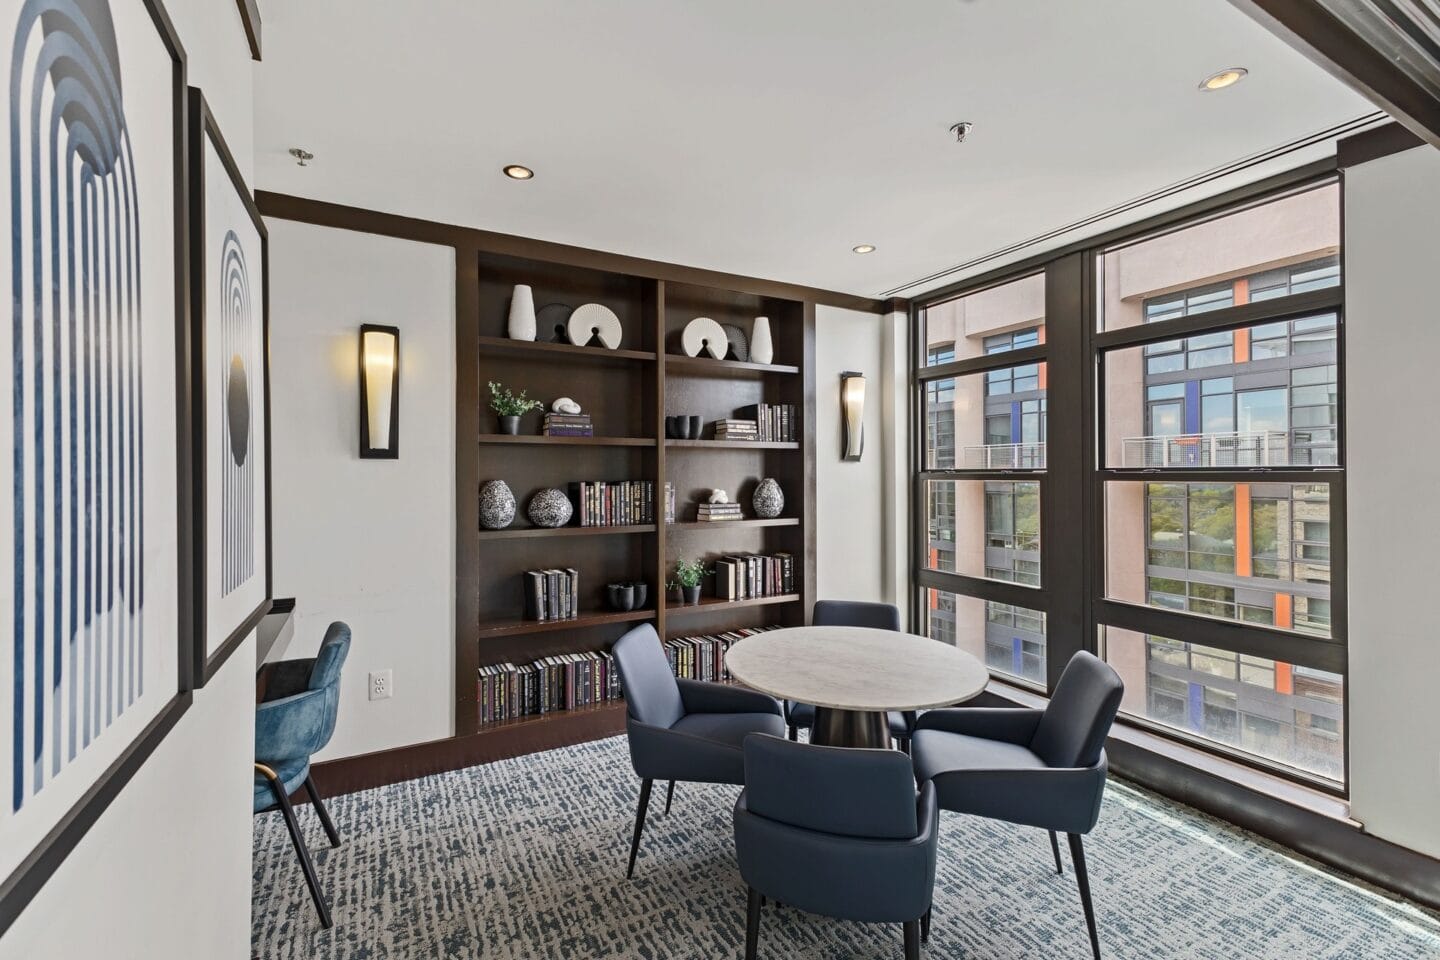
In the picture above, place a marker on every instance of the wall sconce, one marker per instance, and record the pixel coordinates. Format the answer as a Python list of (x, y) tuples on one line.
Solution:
[(379, 392), (852, 415)]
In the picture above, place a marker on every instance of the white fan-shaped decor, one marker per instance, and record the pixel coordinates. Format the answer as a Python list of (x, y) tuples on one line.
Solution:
[(594, 319), (704, 335)]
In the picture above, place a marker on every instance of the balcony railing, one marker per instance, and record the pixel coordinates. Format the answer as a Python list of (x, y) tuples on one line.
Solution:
[(1264, 449), (1003, 456)]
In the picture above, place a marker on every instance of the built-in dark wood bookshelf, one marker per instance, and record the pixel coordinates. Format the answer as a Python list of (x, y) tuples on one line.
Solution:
[(628, 393)]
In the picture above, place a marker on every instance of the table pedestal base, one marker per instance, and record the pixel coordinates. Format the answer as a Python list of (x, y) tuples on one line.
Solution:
[(851, 728)]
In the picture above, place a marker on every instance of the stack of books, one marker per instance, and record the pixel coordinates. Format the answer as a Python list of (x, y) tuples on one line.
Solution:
[(562, 682), (552, 594), (709, 512), (567, 425), (618, 503), (702, 657), (774, 421), (736, 430), (747, 576)]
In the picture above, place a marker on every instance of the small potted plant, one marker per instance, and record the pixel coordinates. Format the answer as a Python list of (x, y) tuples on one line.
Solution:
[(509, 407), (688, 574)]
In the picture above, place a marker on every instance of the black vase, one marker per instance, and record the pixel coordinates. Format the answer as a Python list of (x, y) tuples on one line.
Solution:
[(672, 427), (621, 596), (510, 425), (642, 593), (696, 427), (690, 595)]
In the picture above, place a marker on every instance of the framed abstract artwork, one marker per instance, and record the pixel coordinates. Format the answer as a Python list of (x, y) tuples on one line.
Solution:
[(229, 381), (95, 511)]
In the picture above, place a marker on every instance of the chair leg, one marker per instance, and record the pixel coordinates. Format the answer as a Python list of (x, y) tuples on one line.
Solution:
[(794, 732), (1077, 854), (752, 923), (302, 852), (639, 825), (321, 812), (1055, 848), (925, 925), (669, 795), (912, 940)]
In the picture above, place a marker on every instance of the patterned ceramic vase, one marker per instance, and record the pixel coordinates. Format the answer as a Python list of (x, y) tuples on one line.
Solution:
[(497, 505), (768, 500), (549, 508)]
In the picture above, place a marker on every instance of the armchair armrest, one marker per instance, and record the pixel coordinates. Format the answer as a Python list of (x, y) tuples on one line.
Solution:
[(1008, 725), (700, 697), (1065, 799), (291, 727)]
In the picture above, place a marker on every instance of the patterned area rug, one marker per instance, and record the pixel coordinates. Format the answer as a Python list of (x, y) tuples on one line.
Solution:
[(526, 858)]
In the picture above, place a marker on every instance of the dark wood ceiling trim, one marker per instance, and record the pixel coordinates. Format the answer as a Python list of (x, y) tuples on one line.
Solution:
[(1374, 144), (250, 17), (320, 213), (1324, 39)]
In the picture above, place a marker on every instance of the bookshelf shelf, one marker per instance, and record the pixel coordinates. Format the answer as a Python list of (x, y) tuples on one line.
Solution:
[(561, 351), (756, 522), (723, 368), (525, 533), (543, 441), (714, 604), (732, 445), (591, 618)]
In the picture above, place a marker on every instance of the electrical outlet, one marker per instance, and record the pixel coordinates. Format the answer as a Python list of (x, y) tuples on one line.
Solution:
[(382, 684)]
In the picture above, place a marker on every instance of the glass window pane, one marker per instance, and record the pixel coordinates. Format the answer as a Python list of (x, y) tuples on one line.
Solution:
[(1008, 639), (984, 528), (987, 421), (995, 320), (1256, 552), (1225, 261), (1290, 715), (1184, 417)]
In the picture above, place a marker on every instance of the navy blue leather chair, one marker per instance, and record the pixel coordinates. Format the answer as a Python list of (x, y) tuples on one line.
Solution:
[(294, 720), (837, 831), (1037, 768), (683, 729), (852, 613)]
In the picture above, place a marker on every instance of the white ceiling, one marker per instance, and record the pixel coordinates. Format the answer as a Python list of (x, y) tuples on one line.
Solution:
[(768, 137)]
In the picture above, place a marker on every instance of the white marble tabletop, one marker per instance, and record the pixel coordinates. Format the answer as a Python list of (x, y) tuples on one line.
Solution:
[(856, 668)]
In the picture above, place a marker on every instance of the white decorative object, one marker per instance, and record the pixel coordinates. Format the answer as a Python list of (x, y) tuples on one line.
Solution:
[(704, 334), (762, 350), (594, 320), (522, 313), (719, 496), (565, 405)]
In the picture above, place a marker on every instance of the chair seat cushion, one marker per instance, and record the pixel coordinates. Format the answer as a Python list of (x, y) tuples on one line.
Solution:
[(729, 729), (937, 751), (802, 715), (292, 774)]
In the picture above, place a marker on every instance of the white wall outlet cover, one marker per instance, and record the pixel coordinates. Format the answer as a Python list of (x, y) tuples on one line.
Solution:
[(382, 684)]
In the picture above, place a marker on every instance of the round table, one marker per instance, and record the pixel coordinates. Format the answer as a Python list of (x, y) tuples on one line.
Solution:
[(854, 676)]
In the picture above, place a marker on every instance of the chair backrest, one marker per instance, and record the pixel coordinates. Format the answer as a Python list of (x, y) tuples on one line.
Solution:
[(1073, 730), (651, 694), (853, 613), (325, 674), (838, 790)]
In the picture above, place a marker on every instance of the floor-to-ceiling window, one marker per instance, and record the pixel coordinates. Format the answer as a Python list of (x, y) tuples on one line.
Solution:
[(1208, 369)]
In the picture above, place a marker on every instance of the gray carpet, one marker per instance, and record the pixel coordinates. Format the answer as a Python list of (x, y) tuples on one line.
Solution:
[(526, 858)]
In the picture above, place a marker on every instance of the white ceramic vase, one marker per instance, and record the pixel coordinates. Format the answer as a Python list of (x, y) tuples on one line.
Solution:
[(522, 313), (762, 350)]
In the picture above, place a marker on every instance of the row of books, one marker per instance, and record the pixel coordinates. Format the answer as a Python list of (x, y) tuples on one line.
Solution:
[(708, 512), (561, 682), (567, 425), (613, 503), (752, 575), (552, 594), (729, 429), (702, 657), (773, 421)]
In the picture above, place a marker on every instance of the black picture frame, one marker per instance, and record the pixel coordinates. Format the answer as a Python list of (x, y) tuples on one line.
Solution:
[(202, 130), (367, 452), (27, 879)]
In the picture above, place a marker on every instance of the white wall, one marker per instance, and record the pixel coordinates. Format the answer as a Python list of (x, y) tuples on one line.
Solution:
[(164, 874), (849, 496), (370, 542), (1392, 233)]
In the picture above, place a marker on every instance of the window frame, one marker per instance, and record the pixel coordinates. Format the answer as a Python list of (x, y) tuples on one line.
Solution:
[(1072, 593)]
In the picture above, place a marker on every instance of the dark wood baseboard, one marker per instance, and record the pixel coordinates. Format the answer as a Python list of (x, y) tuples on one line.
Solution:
[(497, 742)]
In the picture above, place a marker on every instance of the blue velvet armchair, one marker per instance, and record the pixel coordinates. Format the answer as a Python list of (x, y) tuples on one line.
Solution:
[(294, 720), (1036, 768), (852, 613), (683, 729), (837, 831)]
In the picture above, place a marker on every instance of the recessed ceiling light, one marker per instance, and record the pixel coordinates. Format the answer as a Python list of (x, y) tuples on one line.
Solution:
[(1225, 78), (516, 172), (864, 248)]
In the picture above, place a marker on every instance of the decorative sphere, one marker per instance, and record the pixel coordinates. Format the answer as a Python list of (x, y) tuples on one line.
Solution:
[(549, 508), (497, 505)]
